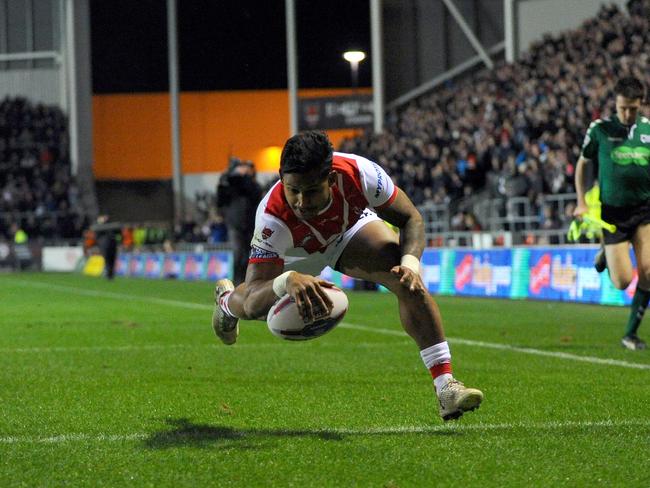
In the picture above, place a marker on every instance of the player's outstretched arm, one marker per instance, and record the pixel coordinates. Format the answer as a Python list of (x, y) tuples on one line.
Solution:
[(403, 214), (259, 296)]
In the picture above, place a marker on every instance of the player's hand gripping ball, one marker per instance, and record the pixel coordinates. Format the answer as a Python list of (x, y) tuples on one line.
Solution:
[(284, 319)]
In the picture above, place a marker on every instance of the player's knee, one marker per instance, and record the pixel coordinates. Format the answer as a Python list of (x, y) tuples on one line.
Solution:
[(621, 282)]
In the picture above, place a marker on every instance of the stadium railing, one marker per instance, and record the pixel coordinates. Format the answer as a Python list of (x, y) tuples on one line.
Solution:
[(436, 218), (501, 214), (509, 222)]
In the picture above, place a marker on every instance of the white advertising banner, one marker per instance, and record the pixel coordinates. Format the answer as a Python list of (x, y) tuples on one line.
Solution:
[(61, 258)]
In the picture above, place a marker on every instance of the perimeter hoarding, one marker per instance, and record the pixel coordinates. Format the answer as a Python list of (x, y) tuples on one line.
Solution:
[(178, 265), (562, 273)]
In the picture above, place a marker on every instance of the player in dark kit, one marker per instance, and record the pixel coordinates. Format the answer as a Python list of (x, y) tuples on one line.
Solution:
[(327, 210), (620, 145)]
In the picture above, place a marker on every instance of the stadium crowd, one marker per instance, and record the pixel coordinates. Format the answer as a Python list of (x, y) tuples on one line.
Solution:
[(515, 130), (38, 194)]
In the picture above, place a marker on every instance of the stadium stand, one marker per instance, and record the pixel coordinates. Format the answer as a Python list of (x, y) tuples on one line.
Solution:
[(38, 193), (502, 143)]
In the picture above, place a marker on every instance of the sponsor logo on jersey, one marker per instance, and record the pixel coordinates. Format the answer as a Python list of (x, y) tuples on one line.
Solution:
[(625, 155), (645, 138), (380, 180), (259, 253)]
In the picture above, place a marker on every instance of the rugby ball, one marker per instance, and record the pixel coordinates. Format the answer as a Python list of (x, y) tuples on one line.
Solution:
[(284, 319)]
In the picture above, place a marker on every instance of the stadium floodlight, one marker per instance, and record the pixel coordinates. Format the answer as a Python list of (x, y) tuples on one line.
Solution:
[(354, 58)]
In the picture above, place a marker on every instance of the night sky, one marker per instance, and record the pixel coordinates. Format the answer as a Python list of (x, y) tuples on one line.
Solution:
[(226, 44)]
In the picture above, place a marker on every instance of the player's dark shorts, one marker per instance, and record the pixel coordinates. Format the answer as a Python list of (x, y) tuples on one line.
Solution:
[(626, 220)]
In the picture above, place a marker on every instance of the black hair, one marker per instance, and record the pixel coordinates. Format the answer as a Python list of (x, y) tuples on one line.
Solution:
[(305, 152), (630, 87)]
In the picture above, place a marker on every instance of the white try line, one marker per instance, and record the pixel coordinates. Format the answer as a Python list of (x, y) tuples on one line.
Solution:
[(376, 330), (506, 347), (407, 429)]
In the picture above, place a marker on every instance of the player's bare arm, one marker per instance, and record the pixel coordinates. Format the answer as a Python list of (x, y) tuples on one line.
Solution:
[(306, 290), (581, 207), (403, 214), (259, 295)]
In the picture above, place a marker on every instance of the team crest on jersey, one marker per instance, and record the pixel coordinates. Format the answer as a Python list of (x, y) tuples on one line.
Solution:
[(266, 233)]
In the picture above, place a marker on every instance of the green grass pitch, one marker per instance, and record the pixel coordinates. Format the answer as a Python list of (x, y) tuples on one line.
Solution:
[(123, 384)]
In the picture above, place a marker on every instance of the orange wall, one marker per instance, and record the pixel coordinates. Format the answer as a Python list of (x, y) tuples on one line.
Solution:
[(132, 136)]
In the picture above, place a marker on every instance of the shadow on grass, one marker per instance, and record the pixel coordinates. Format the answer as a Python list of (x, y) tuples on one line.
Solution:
[(186, 433)]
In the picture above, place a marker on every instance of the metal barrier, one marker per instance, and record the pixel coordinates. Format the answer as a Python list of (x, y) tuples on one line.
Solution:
[(517, 213), (513, 220), (492, 239), (436, 218)]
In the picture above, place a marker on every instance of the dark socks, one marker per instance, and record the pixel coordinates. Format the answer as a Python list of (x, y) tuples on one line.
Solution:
[(638, 306)]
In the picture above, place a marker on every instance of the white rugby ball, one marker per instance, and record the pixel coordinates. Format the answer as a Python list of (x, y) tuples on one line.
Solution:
[(284, 319)]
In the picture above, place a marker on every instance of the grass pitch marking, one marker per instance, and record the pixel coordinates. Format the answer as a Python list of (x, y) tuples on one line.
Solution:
[(507, 347), (407, 429), (469, 342)]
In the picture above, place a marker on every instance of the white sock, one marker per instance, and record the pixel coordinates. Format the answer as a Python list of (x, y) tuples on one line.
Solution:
[(434, 356)]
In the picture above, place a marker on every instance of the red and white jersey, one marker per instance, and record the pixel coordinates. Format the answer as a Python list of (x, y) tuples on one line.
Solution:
[(279, 233)]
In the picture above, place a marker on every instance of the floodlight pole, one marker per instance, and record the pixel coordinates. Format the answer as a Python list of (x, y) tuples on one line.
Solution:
[(172, 55), (377, 65), (292, 65)]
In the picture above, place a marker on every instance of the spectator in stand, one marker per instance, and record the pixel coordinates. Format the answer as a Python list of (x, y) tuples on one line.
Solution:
[(22, 253), (471, 222)]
